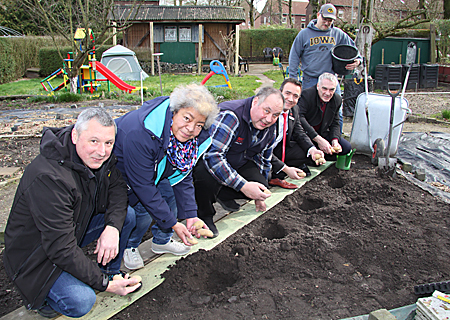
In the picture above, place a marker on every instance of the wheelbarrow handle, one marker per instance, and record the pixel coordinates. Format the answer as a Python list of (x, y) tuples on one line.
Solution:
[(394, 88)]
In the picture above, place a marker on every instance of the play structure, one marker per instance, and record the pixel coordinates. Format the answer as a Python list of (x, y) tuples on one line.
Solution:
[(88, 79), (217, 68)]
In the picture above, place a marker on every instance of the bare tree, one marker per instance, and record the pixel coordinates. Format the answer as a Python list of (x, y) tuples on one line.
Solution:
[(230, 49), (64, 17), (280, 9), (290, 13)]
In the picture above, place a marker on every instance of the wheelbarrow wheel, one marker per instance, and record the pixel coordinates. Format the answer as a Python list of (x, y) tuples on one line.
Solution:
[(378, 151)]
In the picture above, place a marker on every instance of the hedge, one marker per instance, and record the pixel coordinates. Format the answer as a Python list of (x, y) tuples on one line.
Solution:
[(50, 60), (253, 41), (17, 54)]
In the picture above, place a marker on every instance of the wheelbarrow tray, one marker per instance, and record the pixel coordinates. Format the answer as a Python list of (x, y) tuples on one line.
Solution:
[(364, 133)]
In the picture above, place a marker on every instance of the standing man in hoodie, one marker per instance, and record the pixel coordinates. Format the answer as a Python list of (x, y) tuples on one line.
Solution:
[(312, 47)]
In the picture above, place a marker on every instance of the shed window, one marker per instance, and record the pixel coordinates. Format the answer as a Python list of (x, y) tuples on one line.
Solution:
[(170, 34), (185, 34)]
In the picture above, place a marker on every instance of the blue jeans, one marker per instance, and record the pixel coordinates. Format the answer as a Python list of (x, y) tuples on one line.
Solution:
[(309, 82), (72, 297), (143, 219), (95, 229)]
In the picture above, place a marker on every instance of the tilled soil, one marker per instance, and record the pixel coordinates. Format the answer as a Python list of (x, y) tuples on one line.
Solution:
[(345, 244), (348, 243)]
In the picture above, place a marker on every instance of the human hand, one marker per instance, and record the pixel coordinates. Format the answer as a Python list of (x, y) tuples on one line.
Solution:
[(315, 151), (323, 144), (255, 190), (336, 146), (193, 229), (182, 232), (294, 173), (353, 65), (123, 287), (107, 245), (260, 206)]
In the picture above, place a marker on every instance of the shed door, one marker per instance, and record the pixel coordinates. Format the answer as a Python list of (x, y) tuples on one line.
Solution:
[(178, 52)]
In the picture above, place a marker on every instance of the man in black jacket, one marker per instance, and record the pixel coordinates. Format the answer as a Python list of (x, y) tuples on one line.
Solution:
[(319, 116), (70, 195), (292, 148)]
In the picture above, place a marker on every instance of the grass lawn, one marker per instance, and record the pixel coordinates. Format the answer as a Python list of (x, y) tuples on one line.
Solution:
[(242, 87)]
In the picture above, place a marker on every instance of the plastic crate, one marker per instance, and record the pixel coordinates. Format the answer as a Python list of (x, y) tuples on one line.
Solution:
[(386, 73), (414, 76), (429, 75)]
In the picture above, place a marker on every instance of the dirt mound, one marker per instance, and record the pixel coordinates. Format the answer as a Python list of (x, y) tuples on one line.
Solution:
[(345, 244)]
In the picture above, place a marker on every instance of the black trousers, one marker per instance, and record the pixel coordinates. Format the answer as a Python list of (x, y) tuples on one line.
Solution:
[(208, 189), (295, 156)]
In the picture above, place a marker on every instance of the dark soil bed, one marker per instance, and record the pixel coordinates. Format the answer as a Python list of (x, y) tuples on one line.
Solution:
[(345, 244)]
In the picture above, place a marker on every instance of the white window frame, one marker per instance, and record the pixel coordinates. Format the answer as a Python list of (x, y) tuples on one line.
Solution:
[(184, 34), (170, 34)]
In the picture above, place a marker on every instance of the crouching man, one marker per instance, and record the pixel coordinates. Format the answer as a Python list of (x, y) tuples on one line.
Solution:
[(70, 195)]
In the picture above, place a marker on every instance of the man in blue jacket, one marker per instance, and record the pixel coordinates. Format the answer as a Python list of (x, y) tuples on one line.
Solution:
[(238, 163)]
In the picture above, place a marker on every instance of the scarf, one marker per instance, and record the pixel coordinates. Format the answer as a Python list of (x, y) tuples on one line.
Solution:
[(182, 155)]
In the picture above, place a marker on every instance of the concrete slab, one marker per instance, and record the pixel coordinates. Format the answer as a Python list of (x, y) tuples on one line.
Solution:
[(8, 171)]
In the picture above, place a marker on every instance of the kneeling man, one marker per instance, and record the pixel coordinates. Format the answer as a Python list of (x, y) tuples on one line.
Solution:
[(70, 195)]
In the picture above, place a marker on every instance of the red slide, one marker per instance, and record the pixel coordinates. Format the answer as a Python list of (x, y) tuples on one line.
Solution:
[(108, 74)]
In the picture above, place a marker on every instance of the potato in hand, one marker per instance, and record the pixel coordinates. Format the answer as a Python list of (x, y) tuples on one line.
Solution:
[(319, 160)]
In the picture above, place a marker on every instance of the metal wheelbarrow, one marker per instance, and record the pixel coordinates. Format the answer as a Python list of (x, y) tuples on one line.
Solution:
[(378, 122)]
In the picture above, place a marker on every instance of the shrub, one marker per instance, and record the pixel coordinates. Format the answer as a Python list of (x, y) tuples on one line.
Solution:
[(446, 114), (253, 41), (18, 54), (7, 62), (50, 60)]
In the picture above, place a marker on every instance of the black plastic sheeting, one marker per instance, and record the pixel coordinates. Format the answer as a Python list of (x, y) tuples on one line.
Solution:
[(429, 151)]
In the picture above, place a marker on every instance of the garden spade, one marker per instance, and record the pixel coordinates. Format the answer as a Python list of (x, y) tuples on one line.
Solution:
[(386, 165)]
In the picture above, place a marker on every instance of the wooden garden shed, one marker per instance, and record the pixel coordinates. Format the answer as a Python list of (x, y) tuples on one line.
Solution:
[(176, 30)]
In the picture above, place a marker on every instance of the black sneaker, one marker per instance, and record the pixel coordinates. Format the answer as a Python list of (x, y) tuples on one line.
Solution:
[(210, 223), (47, 312), (229, 205)]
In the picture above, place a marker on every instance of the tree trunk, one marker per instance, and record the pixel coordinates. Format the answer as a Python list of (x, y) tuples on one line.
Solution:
[(252, 8), (280, 9), (73, 84), (290, 14)]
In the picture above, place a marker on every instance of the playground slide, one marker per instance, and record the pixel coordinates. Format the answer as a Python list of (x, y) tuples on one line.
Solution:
[(108, 74)]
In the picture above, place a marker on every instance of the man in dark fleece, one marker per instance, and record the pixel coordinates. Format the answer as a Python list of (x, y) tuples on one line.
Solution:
[(70, 195)]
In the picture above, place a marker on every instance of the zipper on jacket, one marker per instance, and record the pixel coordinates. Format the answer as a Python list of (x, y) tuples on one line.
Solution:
[(16, 274), (46, 281)]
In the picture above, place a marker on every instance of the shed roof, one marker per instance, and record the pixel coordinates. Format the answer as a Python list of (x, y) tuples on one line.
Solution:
[(181, 13)]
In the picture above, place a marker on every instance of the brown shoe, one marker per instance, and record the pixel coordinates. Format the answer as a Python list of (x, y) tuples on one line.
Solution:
[(282, 183)]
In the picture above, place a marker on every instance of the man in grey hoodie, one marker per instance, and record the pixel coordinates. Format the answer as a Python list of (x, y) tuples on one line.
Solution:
[(312, 47)]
